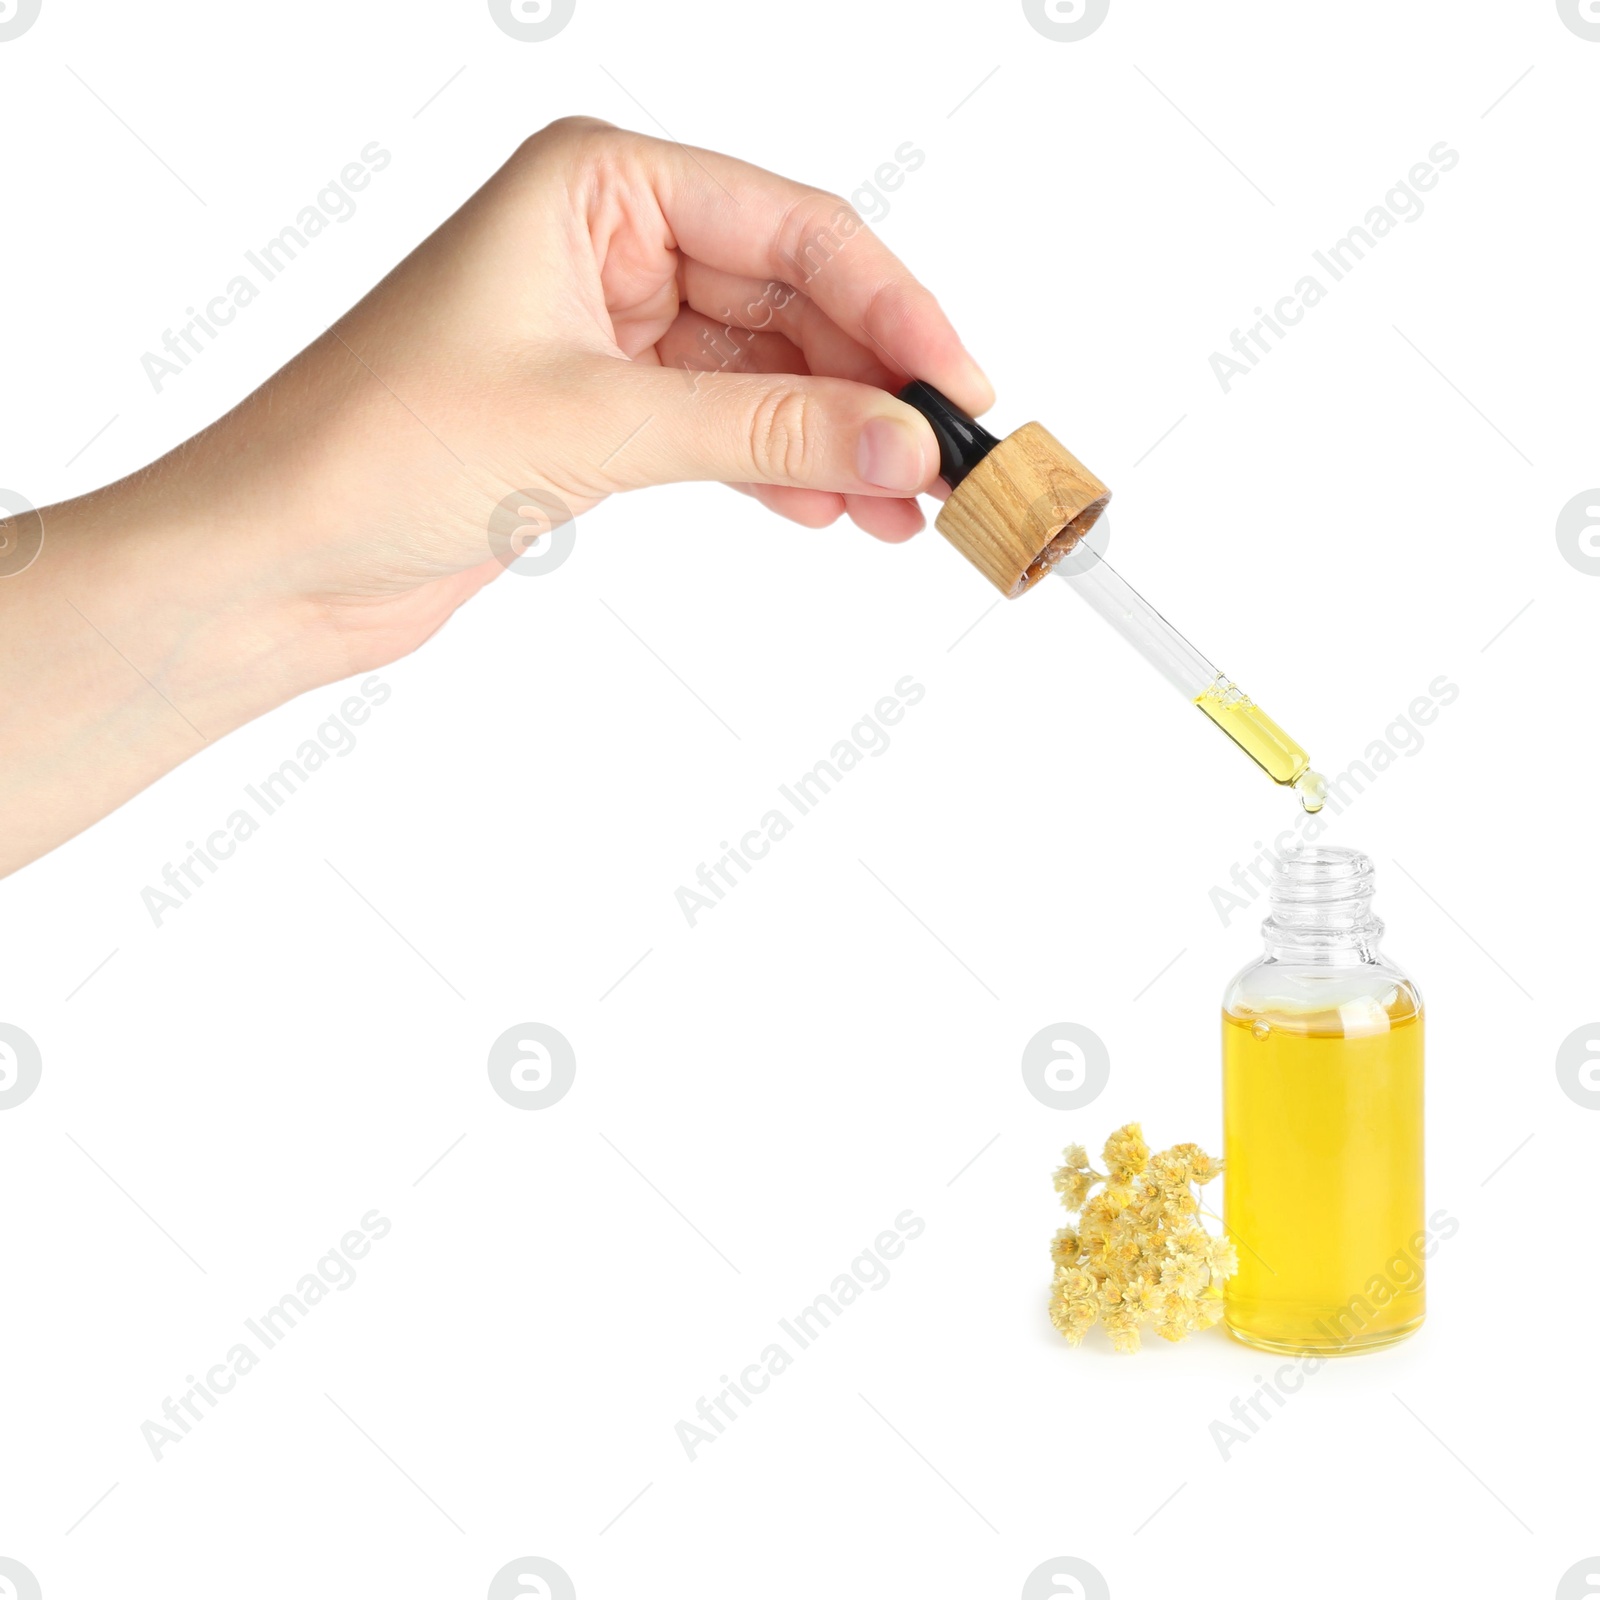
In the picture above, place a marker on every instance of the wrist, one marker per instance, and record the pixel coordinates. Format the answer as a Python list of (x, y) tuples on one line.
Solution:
[(130, 643), (169, 593)]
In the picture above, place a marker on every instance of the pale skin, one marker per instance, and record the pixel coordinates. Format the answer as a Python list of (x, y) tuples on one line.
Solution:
[(336, 518)]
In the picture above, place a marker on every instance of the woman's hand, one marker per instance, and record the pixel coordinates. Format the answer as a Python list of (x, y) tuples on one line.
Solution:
[(608, 312)]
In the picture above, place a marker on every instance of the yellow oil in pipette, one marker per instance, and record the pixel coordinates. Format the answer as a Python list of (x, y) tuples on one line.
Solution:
[(1223, 701), (1064, 530), (1263, 740)]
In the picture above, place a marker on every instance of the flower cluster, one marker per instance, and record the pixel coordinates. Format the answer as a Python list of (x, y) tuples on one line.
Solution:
[(1137, 1253)]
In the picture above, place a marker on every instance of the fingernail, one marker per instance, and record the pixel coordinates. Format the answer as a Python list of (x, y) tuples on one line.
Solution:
[(890, 455)]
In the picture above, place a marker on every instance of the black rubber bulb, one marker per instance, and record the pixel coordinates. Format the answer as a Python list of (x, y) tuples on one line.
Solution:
[(963, 443)]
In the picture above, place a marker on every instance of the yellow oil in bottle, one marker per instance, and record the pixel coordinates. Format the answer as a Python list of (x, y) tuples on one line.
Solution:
[(1262, 740), (1323, 1137)]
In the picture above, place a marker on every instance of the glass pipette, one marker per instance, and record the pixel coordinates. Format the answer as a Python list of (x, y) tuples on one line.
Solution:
[(1021, 506), (1094, 580)]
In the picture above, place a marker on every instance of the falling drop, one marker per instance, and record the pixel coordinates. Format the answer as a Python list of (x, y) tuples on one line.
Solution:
[(1313, 790)]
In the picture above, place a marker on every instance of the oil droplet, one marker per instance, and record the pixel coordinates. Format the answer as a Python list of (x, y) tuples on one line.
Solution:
[(1260, 1029), (1313, 790)]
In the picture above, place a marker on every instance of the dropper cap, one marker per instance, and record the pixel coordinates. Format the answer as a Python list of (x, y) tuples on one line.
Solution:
[(1017, 505)]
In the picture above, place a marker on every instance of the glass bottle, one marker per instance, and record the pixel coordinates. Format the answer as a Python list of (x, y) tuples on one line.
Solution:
[(1322, 1121)]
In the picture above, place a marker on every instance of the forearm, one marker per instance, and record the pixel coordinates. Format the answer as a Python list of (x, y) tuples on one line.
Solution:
[(246, 567), (136, 637), (566, 335)]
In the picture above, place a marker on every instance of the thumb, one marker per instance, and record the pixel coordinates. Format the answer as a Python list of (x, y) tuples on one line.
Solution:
[(762, 427)]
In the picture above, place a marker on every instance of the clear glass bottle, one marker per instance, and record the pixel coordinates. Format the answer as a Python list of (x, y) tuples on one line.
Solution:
[(1322, 1122)]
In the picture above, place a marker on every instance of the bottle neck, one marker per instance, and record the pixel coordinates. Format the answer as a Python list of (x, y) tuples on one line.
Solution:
[(1322, 912)]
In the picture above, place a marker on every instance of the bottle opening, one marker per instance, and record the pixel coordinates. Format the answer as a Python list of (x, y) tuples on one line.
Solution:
[(1321, 896)]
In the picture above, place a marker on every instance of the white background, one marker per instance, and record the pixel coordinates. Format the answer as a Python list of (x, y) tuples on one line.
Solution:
[(838, 1041)]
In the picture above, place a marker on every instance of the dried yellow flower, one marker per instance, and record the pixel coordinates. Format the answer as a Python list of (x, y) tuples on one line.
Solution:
[(1168, 1171), (1122, 1328), (1147, 1296), (1202, 1169), (1137, 1254), (1073, 1186), (1126, 1152), (1072, 1305)]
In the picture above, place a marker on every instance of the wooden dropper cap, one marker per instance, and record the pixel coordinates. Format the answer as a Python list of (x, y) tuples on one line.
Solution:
[(1017, 505)]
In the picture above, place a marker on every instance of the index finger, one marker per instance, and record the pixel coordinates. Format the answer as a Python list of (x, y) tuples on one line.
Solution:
[(743, 219)]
